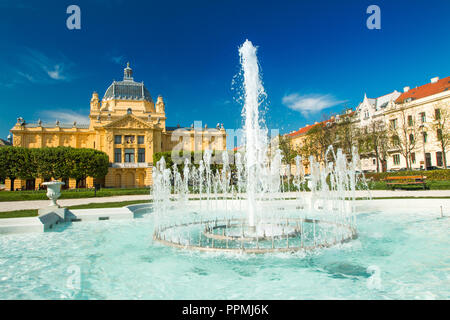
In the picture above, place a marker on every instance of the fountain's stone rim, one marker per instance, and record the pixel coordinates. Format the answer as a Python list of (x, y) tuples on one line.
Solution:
[(158, 237), (209, 233)]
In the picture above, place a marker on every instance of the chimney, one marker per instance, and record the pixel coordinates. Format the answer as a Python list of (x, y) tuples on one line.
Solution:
[(405, 89), (434, 80)]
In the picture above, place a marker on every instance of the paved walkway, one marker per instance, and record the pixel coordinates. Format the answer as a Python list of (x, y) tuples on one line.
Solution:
[(37, 204)]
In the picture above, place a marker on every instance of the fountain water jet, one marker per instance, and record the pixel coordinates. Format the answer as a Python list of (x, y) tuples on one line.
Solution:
[(250, 213), (254, 136)]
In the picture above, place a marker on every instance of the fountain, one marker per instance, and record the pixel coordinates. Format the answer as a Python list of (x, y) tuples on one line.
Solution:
[(256, 212)]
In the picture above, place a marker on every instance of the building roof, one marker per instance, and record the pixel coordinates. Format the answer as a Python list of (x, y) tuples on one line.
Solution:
[(127, 89), (425, 90), (4, 143), (56, 125), (380, 102), (303, 130), (306, 129)]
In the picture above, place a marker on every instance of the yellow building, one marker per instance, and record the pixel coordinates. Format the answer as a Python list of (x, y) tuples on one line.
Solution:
[(128, 126)]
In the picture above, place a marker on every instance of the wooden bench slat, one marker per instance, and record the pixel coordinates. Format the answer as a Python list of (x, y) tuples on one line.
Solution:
[(406, 183), (405, 177)]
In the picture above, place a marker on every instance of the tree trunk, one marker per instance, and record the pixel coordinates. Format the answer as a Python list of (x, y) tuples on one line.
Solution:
[(378, 162), (444, 158)]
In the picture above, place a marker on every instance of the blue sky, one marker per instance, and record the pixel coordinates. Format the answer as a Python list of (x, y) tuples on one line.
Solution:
[(316, 56)]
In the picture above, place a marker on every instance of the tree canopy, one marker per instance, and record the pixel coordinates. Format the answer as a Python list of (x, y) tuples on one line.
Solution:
[(57, 163)]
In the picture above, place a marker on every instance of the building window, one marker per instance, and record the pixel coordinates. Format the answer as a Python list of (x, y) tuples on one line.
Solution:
[(140, 139), (129, 139), (439, 159), (413, 157), (411, 138), (439, 134), (129, 155), (395, 140), (118, 139), (396, 158), (117, 155), (374, 161), (394, 123), (437, 114), (425, 137), (410, 121), (423, 117), (141, 155)]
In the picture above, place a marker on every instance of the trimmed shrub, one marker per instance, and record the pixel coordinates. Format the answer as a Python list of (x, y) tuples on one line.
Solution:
[(58, 163), (432, 175)]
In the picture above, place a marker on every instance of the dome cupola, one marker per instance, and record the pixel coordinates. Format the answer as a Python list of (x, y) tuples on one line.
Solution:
[(128, 89)]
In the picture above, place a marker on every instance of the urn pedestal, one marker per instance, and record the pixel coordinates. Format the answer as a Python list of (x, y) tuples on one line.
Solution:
[(53, 191)]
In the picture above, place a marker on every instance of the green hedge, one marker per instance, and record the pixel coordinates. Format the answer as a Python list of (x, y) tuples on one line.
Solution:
[(57, 163), (432, 175)]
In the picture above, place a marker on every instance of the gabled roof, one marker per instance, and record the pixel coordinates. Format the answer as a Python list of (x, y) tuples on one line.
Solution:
[(382, 101), (425, 90), (125, 119)]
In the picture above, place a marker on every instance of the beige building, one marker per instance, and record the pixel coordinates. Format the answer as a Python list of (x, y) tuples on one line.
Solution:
[(369, 111), (128, 126), (416, 111)]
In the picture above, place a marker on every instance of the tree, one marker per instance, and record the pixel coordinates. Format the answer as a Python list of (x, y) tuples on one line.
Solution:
[(47, 163), (87, 163), (441, 125), (319, 138), (288, 152), (373, 139), (17, 162), (403, 132), (345, 135)]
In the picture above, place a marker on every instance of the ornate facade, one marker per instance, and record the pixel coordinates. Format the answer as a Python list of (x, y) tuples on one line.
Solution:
[(127, 125)]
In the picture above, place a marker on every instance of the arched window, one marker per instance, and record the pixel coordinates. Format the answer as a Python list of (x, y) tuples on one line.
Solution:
[(129, 111)]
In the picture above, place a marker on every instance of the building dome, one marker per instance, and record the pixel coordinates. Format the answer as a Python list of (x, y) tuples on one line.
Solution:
[(127, 89)]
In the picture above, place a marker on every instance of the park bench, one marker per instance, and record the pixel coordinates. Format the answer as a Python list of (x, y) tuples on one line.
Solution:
[(406, 180)]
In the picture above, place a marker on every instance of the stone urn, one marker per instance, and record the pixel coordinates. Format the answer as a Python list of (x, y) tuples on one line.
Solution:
[(53, 191)]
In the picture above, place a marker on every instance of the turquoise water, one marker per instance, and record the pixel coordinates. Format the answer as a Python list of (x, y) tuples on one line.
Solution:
[(398, 255)]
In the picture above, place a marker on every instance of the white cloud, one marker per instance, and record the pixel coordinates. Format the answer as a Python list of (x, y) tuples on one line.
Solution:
[(57, 73), (37, 67), (64, 116), (118, 59), (310, 103), (26, 76)]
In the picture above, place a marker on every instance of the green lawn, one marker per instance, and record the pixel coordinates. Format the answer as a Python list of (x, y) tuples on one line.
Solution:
[(19, 214), (34, 212), (69, 194)]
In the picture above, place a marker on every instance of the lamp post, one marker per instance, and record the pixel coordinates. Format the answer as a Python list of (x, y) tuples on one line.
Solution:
[(422, 128)]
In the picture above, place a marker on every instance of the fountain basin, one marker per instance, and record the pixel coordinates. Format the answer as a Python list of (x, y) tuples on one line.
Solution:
[(403, 244)]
